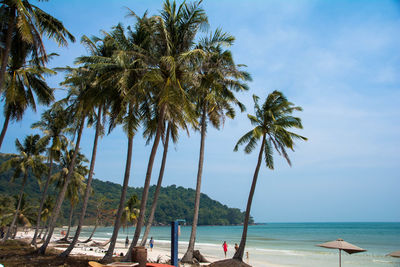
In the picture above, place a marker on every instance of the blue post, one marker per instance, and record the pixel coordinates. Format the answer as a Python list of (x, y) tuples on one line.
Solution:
[(174, 242)]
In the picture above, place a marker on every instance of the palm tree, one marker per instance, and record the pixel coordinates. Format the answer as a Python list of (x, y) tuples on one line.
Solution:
[(218, 77), (48, 206), (272, 121), (24, 24), (28, 159), (54, 125), (100, 98), (122, 72), (22, 81), (131, 212), (77, 185), (176, 30), (79, 111), (25, 214)]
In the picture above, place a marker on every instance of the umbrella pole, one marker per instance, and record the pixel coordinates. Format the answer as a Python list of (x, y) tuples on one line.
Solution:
[(340, 258)]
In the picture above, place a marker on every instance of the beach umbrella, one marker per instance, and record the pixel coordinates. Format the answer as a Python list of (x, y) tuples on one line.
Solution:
[(342, 245), (395, 254)]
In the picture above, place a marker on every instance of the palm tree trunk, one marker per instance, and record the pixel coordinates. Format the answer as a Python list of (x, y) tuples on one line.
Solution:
[(21, 192), (45, 233), (88, 188), (239, 253), (4, 130), (91, 235), (146, 186), (7, 48), (107, 257), (40, 234), (61, 195), (188, 257), (44, 194), (158, 187), (69, 224)]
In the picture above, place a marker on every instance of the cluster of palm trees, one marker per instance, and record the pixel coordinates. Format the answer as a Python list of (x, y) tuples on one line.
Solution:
[(158, 74)]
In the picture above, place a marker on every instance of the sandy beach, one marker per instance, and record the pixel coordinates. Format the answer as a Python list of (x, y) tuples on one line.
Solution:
[(160, 253)]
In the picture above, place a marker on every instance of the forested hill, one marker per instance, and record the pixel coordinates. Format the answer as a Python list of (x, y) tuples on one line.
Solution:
[(175, 202)]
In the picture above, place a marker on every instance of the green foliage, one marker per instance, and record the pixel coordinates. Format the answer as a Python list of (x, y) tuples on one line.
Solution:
[(174, 202)]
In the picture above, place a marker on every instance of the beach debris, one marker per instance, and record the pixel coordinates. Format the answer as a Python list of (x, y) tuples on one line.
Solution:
[(229, 263), (198, 256)]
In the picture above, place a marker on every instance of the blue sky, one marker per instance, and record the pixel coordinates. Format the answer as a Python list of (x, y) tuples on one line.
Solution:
[(339, 60)]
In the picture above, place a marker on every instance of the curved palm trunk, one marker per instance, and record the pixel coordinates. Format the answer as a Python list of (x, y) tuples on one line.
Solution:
[(10, 229), (44, 195), (60, 198), (4, 130), (158, 187), (188, 257), (69, 224), (40, 234), (117, 224), (10, 30), (239, 253), (146, 186), (91, 235), (87, 190), (45, 233)]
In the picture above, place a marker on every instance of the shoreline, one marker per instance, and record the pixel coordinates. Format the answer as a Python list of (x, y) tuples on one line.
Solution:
[(160, 252)]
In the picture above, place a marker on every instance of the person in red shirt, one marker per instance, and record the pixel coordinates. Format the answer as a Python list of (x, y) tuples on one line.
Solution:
[(225, 247)]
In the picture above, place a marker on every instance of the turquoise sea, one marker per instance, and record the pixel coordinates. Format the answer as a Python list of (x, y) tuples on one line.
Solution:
[(288, 244)]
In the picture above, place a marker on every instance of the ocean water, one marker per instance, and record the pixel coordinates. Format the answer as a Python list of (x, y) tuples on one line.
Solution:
[(287, 244)]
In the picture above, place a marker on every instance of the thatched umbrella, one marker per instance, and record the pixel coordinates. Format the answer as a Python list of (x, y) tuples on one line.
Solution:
[(342, 245), (395, 254)]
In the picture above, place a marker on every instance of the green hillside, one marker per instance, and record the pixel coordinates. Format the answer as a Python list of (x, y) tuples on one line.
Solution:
[(175, 202)]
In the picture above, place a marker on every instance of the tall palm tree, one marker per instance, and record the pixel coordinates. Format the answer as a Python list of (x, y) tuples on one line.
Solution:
[(77, 185), (23, 80), (54, 125), (123, 71), (100, 98), (30, 158), (26, 23), (272, 122), (79, 111), (175, 31), (218, 77), (118, 73)]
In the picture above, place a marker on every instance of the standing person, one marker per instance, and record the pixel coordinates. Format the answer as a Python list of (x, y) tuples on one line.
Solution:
[(236, 247), (126, 242), (225, 247), (151, 243)]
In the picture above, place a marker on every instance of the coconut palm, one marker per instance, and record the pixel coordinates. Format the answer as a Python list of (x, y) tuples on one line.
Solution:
[(48, 206), (23, 81), (54, 125), (218, 77), (79, 111), (30, 158), (25, 216), (272, 122), (99, 98), (25, 24), (77, 185), (122, 72), (175, 31), (131, 212)]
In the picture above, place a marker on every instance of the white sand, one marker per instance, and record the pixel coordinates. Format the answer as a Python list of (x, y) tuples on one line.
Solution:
[(161, 251)]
